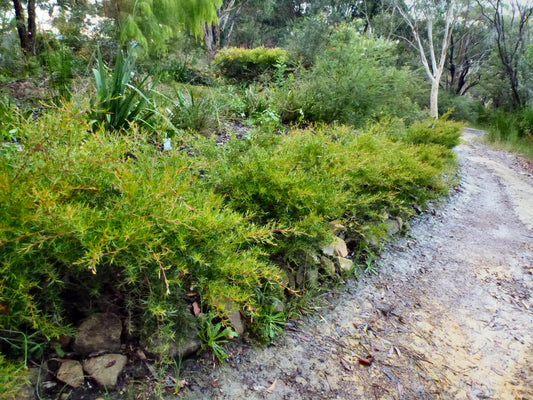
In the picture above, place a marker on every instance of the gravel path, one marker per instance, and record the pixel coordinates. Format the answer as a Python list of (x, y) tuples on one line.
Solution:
[(449, 317)]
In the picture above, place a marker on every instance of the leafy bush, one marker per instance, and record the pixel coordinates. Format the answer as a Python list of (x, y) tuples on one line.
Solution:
[(244, 65), (354, 80), (302, 180), (432, 131), (96, 221)]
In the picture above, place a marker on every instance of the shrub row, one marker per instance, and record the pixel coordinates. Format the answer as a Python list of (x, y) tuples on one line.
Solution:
[(93, 221)]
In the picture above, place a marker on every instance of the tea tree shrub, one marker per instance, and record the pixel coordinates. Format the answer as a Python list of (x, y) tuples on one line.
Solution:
[(442, 132), (308, 177), (94, 221), (97, 221)]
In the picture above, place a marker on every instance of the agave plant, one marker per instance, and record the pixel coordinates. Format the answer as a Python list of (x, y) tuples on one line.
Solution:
[(118, 102)]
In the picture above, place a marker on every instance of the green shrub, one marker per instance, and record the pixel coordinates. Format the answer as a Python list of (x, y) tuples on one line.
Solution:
[(244, 65), (431, 131), (96, 221), (353, 80), (302, 180)]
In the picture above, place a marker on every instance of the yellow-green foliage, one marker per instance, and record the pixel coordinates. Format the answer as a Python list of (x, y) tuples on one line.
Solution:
[(92, 220), (310, 176), (85, 215), (445, 133), (249, 64), (12, 379)]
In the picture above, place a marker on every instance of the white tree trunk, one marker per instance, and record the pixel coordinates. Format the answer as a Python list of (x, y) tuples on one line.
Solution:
[(433, 67), (434, 99)]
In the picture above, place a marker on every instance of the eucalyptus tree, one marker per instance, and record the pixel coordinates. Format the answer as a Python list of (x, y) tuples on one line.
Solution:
[(150, 23), (469, 50), (431, 47), (510, 21), (25, 17)]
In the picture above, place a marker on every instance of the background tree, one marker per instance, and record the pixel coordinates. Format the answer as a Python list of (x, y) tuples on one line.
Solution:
[(26, 25), (469, 51), (417, 15), (510, 22), (150, 24)]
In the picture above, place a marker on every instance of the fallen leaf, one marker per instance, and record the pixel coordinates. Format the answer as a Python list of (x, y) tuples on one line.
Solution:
[(196, 309), (346, 366), (368, 360), (273, 386), (304, 338)]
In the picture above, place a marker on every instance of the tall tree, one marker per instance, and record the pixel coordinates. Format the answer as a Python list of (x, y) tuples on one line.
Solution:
[(469, 50), (419, 15), (149, 23), (26, 25), (510, 21), (216, 33)]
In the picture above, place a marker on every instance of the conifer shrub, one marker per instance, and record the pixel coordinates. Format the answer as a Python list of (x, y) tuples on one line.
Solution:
[(245, 65), (100, 222), (304, 179), (93, 221), (431, 131)]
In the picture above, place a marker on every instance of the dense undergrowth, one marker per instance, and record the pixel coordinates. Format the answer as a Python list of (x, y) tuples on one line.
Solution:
[(511, 130), (132, 213)]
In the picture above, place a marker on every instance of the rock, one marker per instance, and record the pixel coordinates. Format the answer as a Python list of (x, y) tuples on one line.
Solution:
[(100, 332), (71, 373), (278, 306), (311, 276), (26, 393), (328, 266), (188, 345), (105, 369), (337, 228), (394, 226), (300, 277), (373, 241), (343, 264), (236, 321), (336, 248)]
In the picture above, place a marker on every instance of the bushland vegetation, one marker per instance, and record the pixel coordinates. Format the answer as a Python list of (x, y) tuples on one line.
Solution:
[(145, 167)]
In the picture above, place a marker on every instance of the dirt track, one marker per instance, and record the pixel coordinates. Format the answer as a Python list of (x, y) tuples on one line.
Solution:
[(449, 317)]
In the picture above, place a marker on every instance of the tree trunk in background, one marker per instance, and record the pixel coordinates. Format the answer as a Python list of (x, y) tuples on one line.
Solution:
[(434, 98), (510, 21), (420, 11), (26, 33)]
